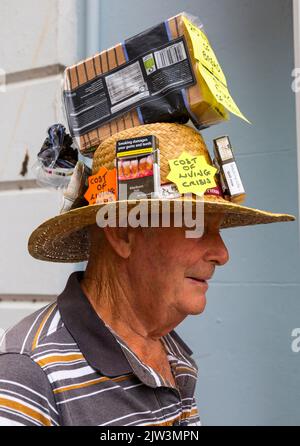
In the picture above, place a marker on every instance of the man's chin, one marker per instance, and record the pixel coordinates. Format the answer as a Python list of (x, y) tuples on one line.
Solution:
[(196, 305)]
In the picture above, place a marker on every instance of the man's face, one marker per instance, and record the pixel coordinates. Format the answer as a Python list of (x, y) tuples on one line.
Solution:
[(171, 272)]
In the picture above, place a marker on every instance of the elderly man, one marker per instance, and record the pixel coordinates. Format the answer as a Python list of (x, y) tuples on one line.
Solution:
[(106, 353), (144, 301)]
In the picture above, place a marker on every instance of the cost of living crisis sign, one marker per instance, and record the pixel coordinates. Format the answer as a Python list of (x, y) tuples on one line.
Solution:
[(192, 174)]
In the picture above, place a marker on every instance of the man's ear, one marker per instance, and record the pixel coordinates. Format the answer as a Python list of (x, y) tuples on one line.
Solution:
[(120, 239)]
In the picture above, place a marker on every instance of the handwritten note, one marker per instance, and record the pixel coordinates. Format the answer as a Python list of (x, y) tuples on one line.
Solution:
[(192, 174), (203, 51), (221, 93), (210, 69), (102, 186)]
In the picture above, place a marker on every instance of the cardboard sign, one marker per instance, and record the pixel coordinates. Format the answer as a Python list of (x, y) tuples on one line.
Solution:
[(192, 174), (211, 70), (102, 186)]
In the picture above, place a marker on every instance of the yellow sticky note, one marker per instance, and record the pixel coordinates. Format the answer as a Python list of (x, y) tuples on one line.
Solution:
[(203, 51), (211, 70), (221, 93), (192, 174)]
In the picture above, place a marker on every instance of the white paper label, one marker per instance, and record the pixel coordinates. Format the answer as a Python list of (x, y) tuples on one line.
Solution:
[(233, 178), (169, 191), (224, 149), (125, 83)]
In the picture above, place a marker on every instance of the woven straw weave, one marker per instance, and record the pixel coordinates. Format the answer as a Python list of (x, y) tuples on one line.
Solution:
[(173, 140), (64, 238)]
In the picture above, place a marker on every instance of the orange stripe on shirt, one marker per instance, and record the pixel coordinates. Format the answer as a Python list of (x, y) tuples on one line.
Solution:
[(187, 369), (91, 383), (183, 416), (189, 414), (25, 410), (42, 324), (60, 358)]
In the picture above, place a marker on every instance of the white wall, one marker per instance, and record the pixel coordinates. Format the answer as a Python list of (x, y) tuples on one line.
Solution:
[(37, 39)]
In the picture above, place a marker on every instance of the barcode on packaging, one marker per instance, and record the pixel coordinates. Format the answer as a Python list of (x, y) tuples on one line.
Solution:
[(170, 55)]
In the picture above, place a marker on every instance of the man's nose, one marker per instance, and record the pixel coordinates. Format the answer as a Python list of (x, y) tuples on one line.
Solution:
[(216, 250)]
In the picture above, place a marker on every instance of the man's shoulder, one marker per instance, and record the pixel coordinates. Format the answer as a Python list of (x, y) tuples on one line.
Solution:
[(36, 332)]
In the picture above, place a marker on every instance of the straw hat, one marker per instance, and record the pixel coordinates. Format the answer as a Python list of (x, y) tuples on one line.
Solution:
[(64, 238)]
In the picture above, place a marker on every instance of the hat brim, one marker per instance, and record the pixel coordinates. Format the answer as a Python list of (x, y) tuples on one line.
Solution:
[(64, 238)]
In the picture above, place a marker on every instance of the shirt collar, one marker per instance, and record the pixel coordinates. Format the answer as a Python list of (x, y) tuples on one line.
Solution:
[(96, 342)]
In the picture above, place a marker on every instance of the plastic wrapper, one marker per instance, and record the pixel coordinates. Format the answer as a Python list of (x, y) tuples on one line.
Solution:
[(151, 77), (56, 160), (73, 195)]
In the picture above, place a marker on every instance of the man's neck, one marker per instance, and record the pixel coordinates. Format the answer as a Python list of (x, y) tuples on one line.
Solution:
[(115, 307)]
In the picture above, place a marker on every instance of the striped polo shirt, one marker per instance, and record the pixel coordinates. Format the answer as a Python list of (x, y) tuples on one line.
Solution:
[(63, 365)]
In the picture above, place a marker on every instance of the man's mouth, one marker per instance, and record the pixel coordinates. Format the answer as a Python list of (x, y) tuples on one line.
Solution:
[(197, 280)]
